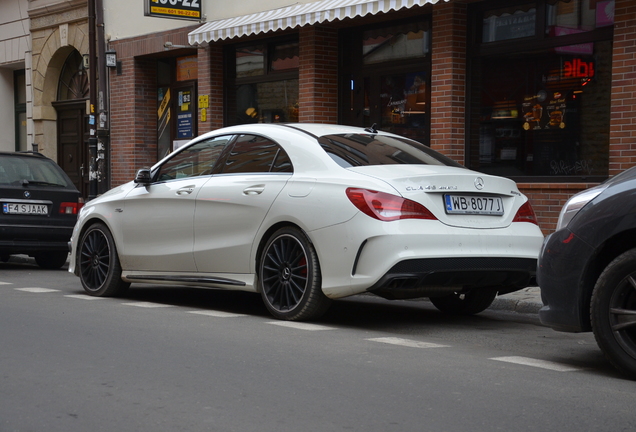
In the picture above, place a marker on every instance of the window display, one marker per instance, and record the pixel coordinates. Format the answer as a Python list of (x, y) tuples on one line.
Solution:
[(543, 114)]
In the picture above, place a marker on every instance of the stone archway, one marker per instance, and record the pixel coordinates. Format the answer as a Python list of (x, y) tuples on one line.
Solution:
[(56, 33)]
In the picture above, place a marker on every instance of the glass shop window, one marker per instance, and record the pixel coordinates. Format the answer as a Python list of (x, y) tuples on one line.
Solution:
[(266, 86), (542, 114), (398, 42), (565, 17), (507, 23)]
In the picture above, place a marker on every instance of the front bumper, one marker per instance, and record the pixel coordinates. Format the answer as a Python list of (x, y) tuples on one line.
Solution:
[(560, 272)]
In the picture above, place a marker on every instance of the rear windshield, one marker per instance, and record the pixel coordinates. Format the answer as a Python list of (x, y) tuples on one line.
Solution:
[(16, 170), (353, 150)]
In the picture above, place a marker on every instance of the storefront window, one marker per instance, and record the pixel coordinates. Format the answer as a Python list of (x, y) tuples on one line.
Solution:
[(395, 42), (565, 17), (386, 77), (543, 114), (265, 82), (250, 61), (404, 99), (268, 102), (509, 23)]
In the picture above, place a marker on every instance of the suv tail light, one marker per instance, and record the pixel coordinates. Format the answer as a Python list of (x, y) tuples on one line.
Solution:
[(387, 207), (526, 214), (71, 207)]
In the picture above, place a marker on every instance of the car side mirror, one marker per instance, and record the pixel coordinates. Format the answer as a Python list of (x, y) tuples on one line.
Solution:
[(143, 177)]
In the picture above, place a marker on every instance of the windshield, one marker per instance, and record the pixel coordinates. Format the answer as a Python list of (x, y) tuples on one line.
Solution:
[(353, 150), (17, 170)]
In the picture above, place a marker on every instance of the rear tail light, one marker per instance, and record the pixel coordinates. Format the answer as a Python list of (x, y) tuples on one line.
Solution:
[(71, 207), (526, 214), (387, 207)]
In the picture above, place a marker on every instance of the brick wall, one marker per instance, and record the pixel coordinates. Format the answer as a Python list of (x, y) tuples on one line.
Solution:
[(318, 75), (133, 103), (448, 79), (210, 83), (623, 122)]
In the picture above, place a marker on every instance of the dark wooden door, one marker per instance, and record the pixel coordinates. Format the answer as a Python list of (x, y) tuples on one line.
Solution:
[(72, 149)]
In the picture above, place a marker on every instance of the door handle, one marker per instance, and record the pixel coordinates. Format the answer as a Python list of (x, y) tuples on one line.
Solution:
[(82, 171), (185, 190), (254, 190)]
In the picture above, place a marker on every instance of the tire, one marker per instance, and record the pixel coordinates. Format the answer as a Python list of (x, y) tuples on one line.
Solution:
[(289, 277), (613, 313), (51, 260), (465, 303), (98, 262)]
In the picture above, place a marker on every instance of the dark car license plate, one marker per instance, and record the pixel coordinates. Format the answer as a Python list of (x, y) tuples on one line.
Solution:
[(25, 209)]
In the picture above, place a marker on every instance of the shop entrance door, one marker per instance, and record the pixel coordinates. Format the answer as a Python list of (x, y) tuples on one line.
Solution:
[(71, 137)]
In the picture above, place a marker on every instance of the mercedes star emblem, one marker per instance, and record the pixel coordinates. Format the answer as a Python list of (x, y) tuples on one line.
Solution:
[(479, 183)]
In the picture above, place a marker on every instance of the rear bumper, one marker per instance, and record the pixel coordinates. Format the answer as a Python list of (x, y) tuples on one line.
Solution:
[(32, 239), (438, 276)]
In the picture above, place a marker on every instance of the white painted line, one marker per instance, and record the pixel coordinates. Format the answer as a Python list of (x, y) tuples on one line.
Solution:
[(84, 297), (543, 364), (217, 314), (407, 342), (147, 305), (5, 283), (300, 326), (37, 290)]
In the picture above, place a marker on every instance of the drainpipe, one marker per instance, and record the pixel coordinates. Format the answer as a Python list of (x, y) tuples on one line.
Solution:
[(93, 67), (103, 122)]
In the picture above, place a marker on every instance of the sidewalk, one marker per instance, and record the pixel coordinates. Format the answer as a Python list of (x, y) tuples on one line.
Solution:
[(527, 300)]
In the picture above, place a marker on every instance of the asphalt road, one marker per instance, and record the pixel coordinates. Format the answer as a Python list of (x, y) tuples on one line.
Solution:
[(184, 359)]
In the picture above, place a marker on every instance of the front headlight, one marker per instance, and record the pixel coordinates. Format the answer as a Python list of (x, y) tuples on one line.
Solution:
[(576, 203)]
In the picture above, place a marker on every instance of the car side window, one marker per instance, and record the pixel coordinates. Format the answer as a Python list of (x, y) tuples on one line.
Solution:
[(256, 154), (196, 160)]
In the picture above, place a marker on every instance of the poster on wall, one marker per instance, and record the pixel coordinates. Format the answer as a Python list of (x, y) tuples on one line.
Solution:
[(184, 115), (179, 9)]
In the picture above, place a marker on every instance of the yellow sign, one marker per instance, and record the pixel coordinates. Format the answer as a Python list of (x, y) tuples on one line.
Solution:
[(164, 104), (204, 114), (203, 101)]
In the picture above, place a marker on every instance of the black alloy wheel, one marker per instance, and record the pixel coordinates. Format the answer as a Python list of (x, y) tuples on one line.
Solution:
[(99, 268), (466, 303), (613, 313), (289, 277)]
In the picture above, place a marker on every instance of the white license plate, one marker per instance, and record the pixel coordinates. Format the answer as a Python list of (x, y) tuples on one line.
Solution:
[(470, 204), (25, 209)]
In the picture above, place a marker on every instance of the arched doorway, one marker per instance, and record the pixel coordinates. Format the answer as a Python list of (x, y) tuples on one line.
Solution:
[(72, 97)]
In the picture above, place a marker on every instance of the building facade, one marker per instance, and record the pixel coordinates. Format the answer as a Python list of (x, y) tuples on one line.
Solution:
[(540, 91), (15, 82)]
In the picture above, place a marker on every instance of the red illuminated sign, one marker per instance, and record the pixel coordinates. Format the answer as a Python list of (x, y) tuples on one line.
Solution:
[(577, 68)]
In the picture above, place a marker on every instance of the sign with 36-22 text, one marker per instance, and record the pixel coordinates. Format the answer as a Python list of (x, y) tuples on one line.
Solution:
[(180, 9)]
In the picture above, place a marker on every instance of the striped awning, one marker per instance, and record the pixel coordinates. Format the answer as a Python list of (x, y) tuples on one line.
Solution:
[(296, 15)]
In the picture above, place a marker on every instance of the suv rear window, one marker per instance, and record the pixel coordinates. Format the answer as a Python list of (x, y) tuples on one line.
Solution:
[(15, 170), (353, 150)]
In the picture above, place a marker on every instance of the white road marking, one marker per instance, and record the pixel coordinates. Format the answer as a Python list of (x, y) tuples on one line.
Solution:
[(84, 297), (5, 283), (300, 326), (217, 314), (147, 305), (407, 342), (37, 290), (544, 364)]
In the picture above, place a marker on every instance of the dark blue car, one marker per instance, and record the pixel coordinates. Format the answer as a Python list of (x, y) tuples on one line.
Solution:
[(587, 269), (38, 208)]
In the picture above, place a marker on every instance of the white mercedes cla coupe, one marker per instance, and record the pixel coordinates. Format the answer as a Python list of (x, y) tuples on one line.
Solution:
[(307, 213)]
